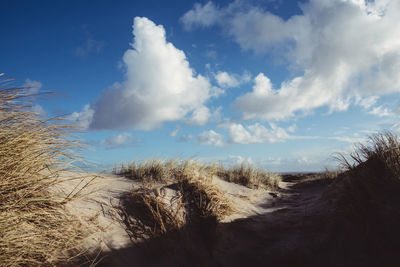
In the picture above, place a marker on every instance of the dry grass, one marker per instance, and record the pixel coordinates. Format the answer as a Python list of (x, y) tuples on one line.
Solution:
[(148, 171), (249, 176), (371, 168), (154, 171), (384, 147), (35, 230), (147, 213), (201, 198), (160, 171)]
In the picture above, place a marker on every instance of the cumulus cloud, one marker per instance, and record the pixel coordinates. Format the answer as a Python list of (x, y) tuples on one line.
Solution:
[(345, 50), (256, 133), (210, 138), (226, 80), (118, 140), (159, 86)]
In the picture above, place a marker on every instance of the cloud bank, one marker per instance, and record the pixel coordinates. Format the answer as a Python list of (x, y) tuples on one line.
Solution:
[(344, 51), (159, 87)]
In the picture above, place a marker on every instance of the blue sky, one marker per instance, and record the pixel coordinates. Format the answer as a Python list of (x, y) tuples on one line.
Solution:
[(280, 84)]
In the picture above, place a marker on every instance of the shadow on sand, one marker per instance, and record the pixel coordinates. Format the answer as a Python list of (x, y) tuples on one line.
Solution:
[(305, 229)]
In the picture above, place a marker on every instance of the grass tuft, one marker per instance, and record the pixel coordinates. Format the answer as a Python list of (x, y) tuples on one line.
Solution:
[(247, 175), (384, 147), (147, 213), (35, 229)]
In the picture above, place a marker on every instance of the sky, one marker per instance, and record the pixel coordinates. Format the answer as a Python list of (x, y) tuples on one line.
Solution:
[(283, 85)]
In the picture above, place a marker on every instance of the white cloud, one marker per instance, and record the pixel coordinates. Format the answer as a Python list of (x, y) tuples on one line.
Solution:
[(345, 49), (199, 116), (367, 102), (238, 160), (210, 138), (292, 128), (226, 80), (204, 15), (32, 86), (174, 132), (118, 140), (348, 139), (256, 133), (380, 111), (202, 115), (82, 119), (159, 87)]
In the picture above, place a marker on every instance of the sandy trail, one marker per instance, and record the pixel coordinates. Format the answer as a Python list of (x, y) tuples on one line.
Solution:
[(285, 235)]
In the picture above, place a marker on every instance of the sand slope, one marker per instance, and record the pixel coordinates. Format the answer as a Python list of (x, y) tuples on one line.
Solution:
[(94, 205)]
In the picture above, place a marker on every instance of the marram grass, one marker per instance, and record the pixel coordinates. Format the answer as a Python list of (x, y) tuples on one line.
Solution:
[(146, 214), (35, 229)]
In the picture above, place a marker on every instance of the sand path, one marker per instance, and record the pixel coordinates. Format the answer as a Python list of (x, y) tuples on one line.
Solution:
[(283, 236)]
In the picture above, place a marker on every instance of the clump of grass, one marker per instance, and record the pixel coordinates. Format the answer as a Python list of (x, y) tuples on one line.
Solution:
[(148, 171), (160, 171), (203, 200), (384, 147), (35, 230), (146, 213), (247, 175), (375, 162)]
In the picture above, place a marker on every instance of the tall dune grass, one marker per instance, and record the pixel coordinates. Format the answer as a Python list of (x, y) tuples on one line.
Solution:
[(35, 230)]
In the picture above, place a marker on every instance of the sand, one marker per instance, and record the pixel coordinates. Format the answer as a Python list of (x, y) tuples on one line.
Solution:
[(295, 226), (93, 205)]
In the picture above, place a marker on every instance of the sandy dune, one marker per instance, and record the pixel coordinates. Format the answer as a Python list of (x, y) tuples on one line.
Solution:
[(94, 205)]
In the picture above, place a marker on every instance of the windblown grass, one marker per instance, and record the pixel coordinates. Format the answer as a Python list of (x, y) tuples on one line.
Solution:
[(146, 212), (384, 147), (249, 176), (35, 230)]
